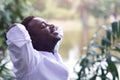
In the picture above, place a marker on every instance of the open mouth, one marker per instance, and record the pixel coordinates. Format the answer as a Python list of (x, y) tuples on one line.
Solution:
[(53, 30), (55, 33)]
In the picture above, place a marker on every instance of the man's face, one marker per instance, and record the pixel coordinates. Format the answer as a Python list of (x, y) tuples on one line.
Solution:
[(42, 31)]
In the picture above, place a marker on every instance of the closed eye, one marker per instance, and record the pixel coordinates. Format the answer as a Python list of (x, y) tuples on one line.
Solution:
[(43, 25)]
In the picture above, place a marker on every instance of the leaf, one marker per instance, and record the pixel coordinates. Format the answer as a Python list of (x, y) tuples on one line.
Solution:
[(117, 58), (118, 32), (84, 62), (117, 47), (118, 26), (2, 67), (105, 42), (103, 76), (108, 34), (112, 68), (114, 27), (94, 77), (114, 30)]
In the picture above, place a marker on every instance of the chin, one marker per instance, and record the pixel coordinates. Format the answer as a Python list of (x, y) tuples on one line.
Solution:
[(58, 37)]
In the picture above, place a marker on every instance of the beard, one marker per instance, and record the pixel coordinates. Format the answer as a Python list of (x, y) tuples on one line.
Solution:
[(42, 45)]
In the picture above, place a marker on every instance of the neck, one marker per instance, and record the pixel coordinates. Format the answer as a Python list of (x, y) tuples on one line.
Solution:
[(44, 48), (48, 50)]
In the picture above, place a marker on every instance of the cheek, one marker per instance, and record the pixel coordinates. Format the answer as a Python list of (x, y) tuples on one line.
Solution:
[(32, 31), (43, 34)]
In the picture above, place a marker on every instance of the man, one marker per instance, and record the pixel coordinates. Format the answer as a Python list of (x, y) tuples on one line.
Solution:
[(33, 47)]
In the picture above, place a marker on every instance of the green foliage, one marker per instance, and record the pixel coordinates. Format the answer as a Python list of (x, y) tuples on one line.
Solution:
[(102, 55), (11, 11), (101, 8), (56, 14), (64, 4), (60, 9), (39, 5)]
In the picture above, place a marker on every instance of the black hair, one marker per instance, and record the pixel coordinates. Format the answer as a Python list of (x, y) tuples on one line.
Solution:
[(27, 20)]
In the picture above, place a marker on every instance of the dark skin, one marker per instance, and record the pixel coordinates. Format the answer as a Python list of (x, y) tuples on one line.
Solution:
[(44, 36)]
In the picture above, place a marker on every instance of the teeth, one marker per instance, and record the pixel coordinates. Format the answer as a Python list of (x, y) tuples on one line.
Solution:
[(55, 32)]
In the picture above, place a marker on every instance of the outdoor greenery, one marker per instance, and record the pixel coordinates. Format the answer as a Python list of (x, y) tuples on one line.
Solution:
[(102, 58), (11, 11), (102, 55)]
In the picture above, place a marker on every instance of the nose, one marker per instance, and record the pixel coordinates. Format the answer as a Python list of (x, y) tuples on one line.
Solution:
[(52, 28)]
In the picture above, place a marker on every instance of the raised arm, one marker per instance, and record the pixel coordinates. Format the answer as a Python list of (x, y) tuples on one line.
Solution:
[(21, 50), (17, 35)]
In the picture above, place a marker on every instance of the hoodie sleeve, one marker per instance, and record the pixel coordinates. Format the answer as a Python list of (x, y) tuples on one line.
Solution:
[(17, 35), (21, 51)]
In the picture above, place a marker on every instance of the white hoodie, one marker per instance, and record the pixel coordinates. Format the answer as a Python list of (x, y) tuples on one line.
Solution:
[(30, 64)]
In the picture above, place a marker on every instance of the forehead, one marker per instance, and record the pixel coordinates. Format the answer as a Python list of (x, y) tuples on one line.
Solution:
[(39, 19), (36, 21)]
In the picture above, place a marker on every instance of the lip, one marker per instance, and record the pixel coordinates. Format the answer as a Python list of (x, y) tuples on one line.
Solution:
[(55, 33), (53, 30)]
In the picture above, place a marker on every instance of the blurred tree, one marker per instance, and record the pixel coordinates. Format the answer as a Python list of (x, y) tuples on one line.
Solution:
[(98, 63), (102, 60), (64, 4), (11, 11), (83, 10), (39, 5), (100, 9), (105, 9)]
